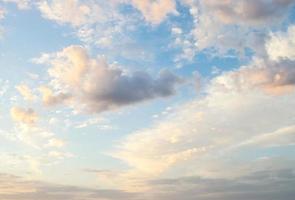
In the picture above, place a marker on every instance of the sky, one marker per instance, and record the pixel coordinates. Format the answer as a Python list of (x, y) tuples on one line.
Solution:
[(147, 99)]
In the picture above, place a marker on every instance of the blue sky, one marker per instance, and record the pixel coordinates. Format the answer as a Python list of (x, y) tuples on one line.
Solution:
[(147, 100)]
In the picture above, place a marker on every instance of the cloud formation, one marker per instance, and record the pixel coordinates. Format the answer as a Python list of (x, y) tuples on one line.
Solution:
[(98, 86)]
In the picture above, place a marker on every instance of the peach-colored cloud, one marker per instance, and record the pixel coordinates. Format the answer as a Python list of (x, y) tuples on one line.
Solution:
[(27, 116), (26, 92), (155, 11)]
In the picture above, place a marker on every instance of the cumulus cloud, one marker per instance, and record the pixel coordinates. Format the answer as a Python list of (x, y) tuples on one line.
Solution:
[(155, 11), (27, 116), (99, 86), (281, 45)]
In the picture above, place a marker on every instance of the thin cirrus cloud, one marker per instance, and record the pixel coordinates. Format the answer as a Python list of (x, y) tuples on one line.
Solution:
[(99, 86)]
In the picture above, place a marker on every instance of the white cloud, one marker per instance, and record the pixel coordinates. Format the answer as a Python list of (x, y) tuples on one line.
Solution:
[(281, 45)]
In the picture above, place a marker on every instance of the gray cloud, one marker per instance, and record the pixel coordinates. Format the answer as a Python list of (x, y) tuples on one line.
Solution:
[(254, 12), (260, 185)]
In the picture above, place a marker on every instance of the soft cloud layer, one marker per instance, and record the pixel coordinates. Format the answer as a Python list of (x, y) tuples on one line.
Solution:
[(98, 86), (14, 187), (261, 185), (239, 108)]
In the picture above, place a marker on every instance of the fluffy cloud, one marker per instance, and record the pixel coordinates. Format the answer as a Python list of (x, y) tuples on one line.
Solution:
[(98, 86), (28, 116), (281, 45), (155, 11)]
